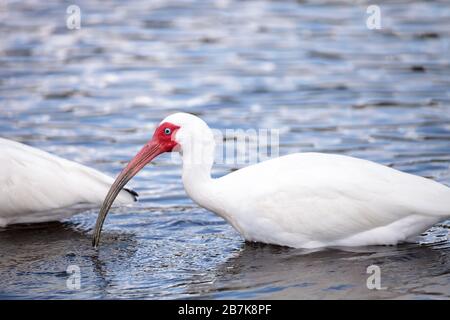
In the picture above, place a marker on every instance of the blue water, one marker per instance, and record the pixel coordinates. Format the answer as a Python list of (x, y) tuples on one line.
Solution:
[(311, 69)]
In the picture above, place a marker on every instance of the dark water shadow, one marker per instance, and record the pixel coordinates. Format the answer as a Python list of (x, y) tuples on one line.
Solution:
[(265, 271), (34, 259)]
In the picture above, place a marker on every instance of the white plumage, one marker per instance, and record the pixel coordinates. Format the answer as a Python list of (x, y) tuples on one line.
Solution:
[(303, 200), (312, 200), (308, 200), (36, 186)]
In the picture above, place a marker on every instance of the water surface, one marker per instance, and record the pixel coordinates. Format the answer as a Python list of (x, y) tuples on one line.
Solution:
[(310, 69)]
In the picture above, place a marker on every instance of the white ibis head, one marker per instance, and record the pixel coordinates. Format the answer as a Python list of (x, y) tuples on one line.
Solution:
[(178, 132)]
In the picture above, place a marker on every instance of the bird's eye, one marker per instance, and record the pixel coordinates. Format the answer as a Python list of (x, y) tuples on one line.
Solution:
[(167, 131)]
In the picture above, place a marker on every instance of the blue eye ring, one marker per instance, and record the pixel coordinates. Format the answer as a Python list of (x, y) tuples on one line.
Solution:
[(167, 131)]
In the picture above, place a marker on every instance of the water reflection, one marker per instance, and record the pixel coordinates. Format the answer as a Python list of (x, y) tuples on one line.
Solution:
[(270, 272), (34, 259)]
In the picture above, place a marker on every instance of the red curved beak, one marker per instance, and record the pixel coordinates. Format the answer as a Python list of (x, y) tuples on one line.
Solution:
[(150, 151)]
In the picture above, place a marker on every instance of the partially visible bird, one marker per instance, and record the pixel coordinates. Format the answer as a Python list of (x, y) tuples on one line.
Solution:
[(36, 186), (302, 200)]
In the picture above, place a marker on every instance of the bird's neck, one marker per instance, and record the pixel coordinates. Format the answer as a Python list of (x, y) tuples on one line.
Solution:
[(197, 165)]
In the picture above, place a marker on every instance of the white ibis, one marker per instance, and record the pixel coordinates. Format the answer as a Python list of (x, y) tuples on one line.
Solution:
[(36, 186), (302, 200)]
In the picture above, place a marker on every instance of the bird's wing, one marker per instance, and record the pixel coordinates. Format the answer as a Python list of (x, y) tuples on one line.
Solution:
[(32, 180), (335, 196)]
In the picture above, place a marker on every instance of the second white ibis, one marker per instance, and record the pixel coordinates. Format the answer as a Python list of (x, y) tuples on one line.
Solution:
[(36, 186), (302, 200)]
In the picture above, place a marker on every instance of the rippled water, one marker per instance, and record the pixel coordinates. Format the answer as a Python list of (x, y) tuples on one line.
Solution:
[(311, 69)]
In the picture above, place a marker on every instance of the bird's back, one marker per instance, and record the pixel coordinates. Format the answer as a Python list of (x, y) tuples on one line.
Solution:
[(34, 184), (325, 198)]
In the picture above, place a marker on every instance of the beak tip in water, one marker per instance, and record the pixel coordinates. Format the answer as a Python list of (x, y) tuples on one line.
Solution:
[(94, 242), (147, 153)]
